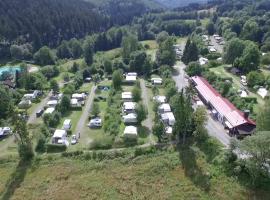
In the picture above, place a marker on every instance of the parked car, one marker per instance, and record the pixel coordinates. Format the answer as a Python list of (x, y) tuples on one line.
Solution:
[(39, 113), (74, 139)]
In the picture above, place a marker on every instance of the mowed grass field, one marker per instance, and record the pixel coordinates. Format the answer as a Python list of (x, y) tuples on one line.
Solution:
[(154, 176)]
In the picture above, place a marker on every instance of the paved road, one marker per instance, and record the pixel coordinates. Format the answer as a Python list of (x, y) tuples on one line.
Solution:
[(32, 116), (86, 110), (217, 46), (149, 121), (179, 76), (215, 129)]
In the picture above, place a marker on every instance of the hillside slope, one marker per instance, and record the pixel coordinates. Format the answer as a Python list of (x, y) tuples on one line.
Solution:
[(48, 22), (157, 176), (178, 3)]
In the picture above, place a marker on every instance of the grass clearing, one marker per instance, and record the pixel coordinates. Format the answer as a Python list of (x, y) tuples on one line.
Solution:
[(220, 71), (160, 175), (153, 47)]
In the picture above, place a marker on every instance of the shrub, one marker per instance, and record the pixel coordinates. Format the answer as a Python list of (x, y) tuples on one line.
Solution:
[(144, 151), (130, 141), (213, 56), (55, 148), (40, 148), (102, 143), (72, 154)]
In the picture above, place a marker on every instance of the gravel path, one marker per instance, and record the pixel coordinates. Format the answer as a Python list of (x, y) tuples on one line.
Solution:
[(32, 117), (145, 98), (82, 121)]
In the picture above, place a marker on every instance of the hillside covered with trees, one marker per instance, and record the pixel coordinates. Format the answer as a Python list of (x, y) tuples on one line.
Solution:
[(48, 22)]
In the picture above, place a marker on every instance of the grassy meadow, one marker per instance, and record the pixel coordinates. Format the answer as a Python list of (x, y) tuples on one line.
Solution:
[(184, 174)]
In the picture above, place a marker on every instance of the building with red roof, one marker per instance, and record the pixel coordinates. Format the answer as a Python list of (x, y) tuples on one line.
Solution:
[(237, 122)]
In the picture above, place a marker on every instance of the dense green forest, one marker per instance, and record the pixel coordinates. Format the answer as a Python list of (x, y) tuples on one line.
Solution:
[(178, 3), (48, 22)]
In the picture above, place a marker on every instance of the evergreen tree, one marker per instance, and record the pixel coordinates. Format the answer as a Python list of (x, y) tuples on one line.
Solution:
[(183, 115), (88, 51)]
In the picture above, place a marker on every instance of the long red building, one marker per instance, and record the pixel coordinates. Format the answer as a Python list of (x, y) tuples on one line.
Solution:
[(237, 122)]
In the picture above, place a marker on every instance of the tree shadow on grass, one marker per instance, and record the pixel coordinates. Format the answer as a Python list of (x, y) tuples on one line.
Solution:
[(210, 148), (189, 163), (16, 178), (143, 131)]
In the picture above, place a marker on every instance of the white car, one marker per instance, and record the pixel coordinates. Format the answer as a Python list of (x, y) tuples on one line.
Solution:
[(74, 139)]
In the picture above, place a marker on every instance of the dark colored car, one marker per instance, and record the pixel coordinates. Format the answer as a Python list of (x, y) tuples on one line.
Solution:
[(39, 113)]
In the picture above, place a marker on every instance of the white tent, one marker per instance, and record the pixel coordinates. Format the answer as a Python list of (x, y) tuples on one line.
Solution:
[(129, 107), (159, 99), (168, 130), (163, 108), (52, 103), (59, 136), (168, 118), (75, 103), (130, 132), (79, 96), (203, 61), (49, 110), (156, 81), (130, 78), (67, 124), (130, 118), (212, 50), (262, 92), (127, 96)]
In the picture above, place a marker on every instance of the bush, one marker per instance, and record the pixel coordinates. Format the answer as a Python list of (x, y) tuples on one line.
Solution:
[(102, 143), (72, 154), (213, 56), (55, 148), (130, 141), (213, 63), (144, 151), (250, 99), (40, 148)]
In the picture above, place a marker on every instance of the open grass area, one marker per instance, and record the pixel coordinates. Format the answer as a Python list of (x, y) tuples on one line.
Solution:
[(153, 47), (161, 175), (220, 71), (74, 116), (96, 134)]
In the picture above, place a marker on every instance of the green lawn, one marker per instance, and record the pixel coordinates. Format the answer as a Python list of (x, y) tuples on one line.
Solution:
[(93, 134), (74, 116), (86, 87), (153, 47)]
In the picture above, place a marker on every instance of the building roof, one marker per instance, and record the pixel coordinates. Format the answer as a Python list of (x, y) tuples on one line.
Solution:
[(131, 78), (168, 116), (130, 116), (166, 107), (130, 130), (52, 102), (224, 107), (67, 122), (132, 74), (60, 133), (159, 99), (78, 96), (74, 101), (95, 120), (129, 105), (49, 110), (126, 95)]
